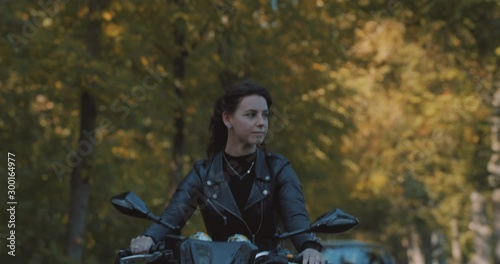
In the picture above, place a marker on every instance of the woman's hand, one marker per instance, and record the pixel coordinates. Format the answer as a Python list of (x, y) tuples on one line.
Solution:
[(141, 244), (312, 256)]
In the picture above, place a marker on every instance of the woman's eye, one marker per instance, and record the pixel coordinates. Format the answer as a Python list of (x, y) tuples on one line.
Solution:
[(264, 115)]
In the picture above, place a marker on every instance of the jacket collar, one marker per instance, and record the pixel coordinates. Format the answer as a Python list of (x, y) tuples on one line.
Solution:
[(261, 188)]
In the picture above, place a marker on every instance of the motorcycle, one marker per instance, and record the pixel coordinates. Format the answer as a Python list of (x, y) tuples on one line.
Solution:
[(199, 249)]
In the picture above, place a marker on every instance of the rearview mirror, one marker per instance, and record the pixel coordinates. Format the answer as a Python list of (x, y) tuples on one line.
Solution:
[(130, 204), (333, 222)]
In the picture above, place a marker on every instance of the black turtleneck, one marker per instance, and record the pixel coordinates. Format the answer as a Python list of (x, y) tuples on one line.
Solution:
[(240, 186)]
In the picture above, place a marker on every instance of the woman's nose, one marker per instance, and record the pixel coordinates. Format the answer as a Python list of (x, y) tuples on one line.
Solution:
[(261, 121)]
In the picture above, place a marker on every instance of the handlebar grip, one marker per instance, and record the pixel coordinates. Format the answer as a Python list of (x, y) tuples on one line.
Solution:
[(121, 254), (298, 259), (126, 252)]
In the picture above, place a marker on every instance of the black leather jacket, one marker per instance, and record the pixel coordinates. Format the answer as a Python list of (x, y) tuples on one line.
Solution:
[(275, 200)]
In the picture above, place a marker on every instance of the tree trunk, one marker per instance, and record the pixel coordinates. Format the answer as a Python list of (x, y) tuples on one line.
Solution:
[(496, 225), (415, 250), (494, 169), (438, 255), (85, 148), (80, 183), (481, 229), (456, 250), (179, 70), (227, 76)]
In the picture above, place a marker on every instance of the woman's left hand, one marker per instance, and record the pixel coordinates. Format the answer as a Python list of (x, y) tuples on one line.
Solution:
[(312, 256)]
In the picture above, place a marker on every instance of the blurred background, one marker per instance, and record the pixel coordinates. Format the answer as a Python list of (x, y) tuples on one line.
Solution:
[(388, 109)]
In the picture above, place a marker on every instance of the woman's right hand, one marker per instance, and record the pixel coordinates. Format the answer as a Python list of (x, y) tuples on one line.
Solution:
[(141, 244)]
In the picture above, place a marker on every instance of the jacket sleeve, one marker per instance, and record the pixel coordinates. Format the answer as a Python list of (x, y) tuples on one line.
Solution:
[(293, 208), (181, 207)]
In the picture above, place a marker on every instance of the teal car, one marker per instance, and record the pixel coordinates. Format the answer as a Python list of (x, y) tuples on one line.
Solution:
[(355, 252)]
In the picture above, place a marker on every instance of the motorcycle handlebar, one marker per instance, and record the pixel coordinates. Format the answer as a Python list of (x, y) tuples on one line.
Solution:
[(295, 259), (125, 255), (154, 256), (298, 259)]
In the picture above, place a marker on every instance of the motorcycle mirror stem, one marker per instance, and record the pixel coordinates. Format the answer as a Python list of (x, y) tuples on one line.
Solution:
[(333, 222), (130, 204)]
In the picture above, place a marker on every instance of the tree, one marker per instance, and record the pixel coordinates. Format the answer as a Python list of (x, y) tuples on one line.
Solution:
[(79, 181), (382, 107), (494, 170)]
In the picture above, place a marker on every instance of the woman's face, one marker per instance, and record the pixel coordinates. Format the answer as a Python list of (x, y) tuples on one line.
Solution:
[(248, 124)]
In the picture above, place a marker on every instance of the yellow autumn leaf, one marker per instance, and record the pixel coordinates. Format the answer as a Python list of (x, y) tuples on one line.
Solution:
[(319, 154), (319, 67), (378, 182), (216, 57), (144, 61), (83, 12), (191, 110), (107, 15), (113, 30)]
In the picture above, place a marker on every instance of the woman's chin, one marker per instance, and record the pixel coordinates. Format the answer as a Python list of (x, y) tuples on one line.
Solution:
[(257, 141)]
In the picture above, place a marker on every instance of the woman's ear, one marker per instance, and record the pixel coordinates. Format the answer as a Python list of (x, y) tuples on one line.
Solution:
[(226, 118)]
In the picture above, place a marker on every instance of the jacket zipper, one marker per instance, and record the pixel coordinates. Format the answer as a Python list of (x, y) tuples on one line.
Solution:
[(241, 219), (218, 212)]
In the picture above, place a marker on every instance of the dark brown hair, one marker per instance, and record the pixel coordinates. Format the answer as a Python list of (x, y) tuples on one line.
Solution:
[(228, 102)]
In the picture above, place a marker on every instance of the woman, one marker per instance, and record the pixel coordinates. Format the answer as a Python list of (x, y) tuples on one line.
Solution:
[(240, 188)]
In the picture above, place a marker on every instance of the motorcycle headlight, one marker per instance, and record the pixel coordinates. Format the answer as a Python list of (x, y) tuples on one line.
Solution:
[(238, 238), (201, 236)]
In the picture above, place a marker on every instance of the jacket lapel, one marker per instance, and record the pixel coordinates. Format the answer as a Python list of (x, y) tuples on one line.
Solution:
[(261, 187), (218, 190)]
